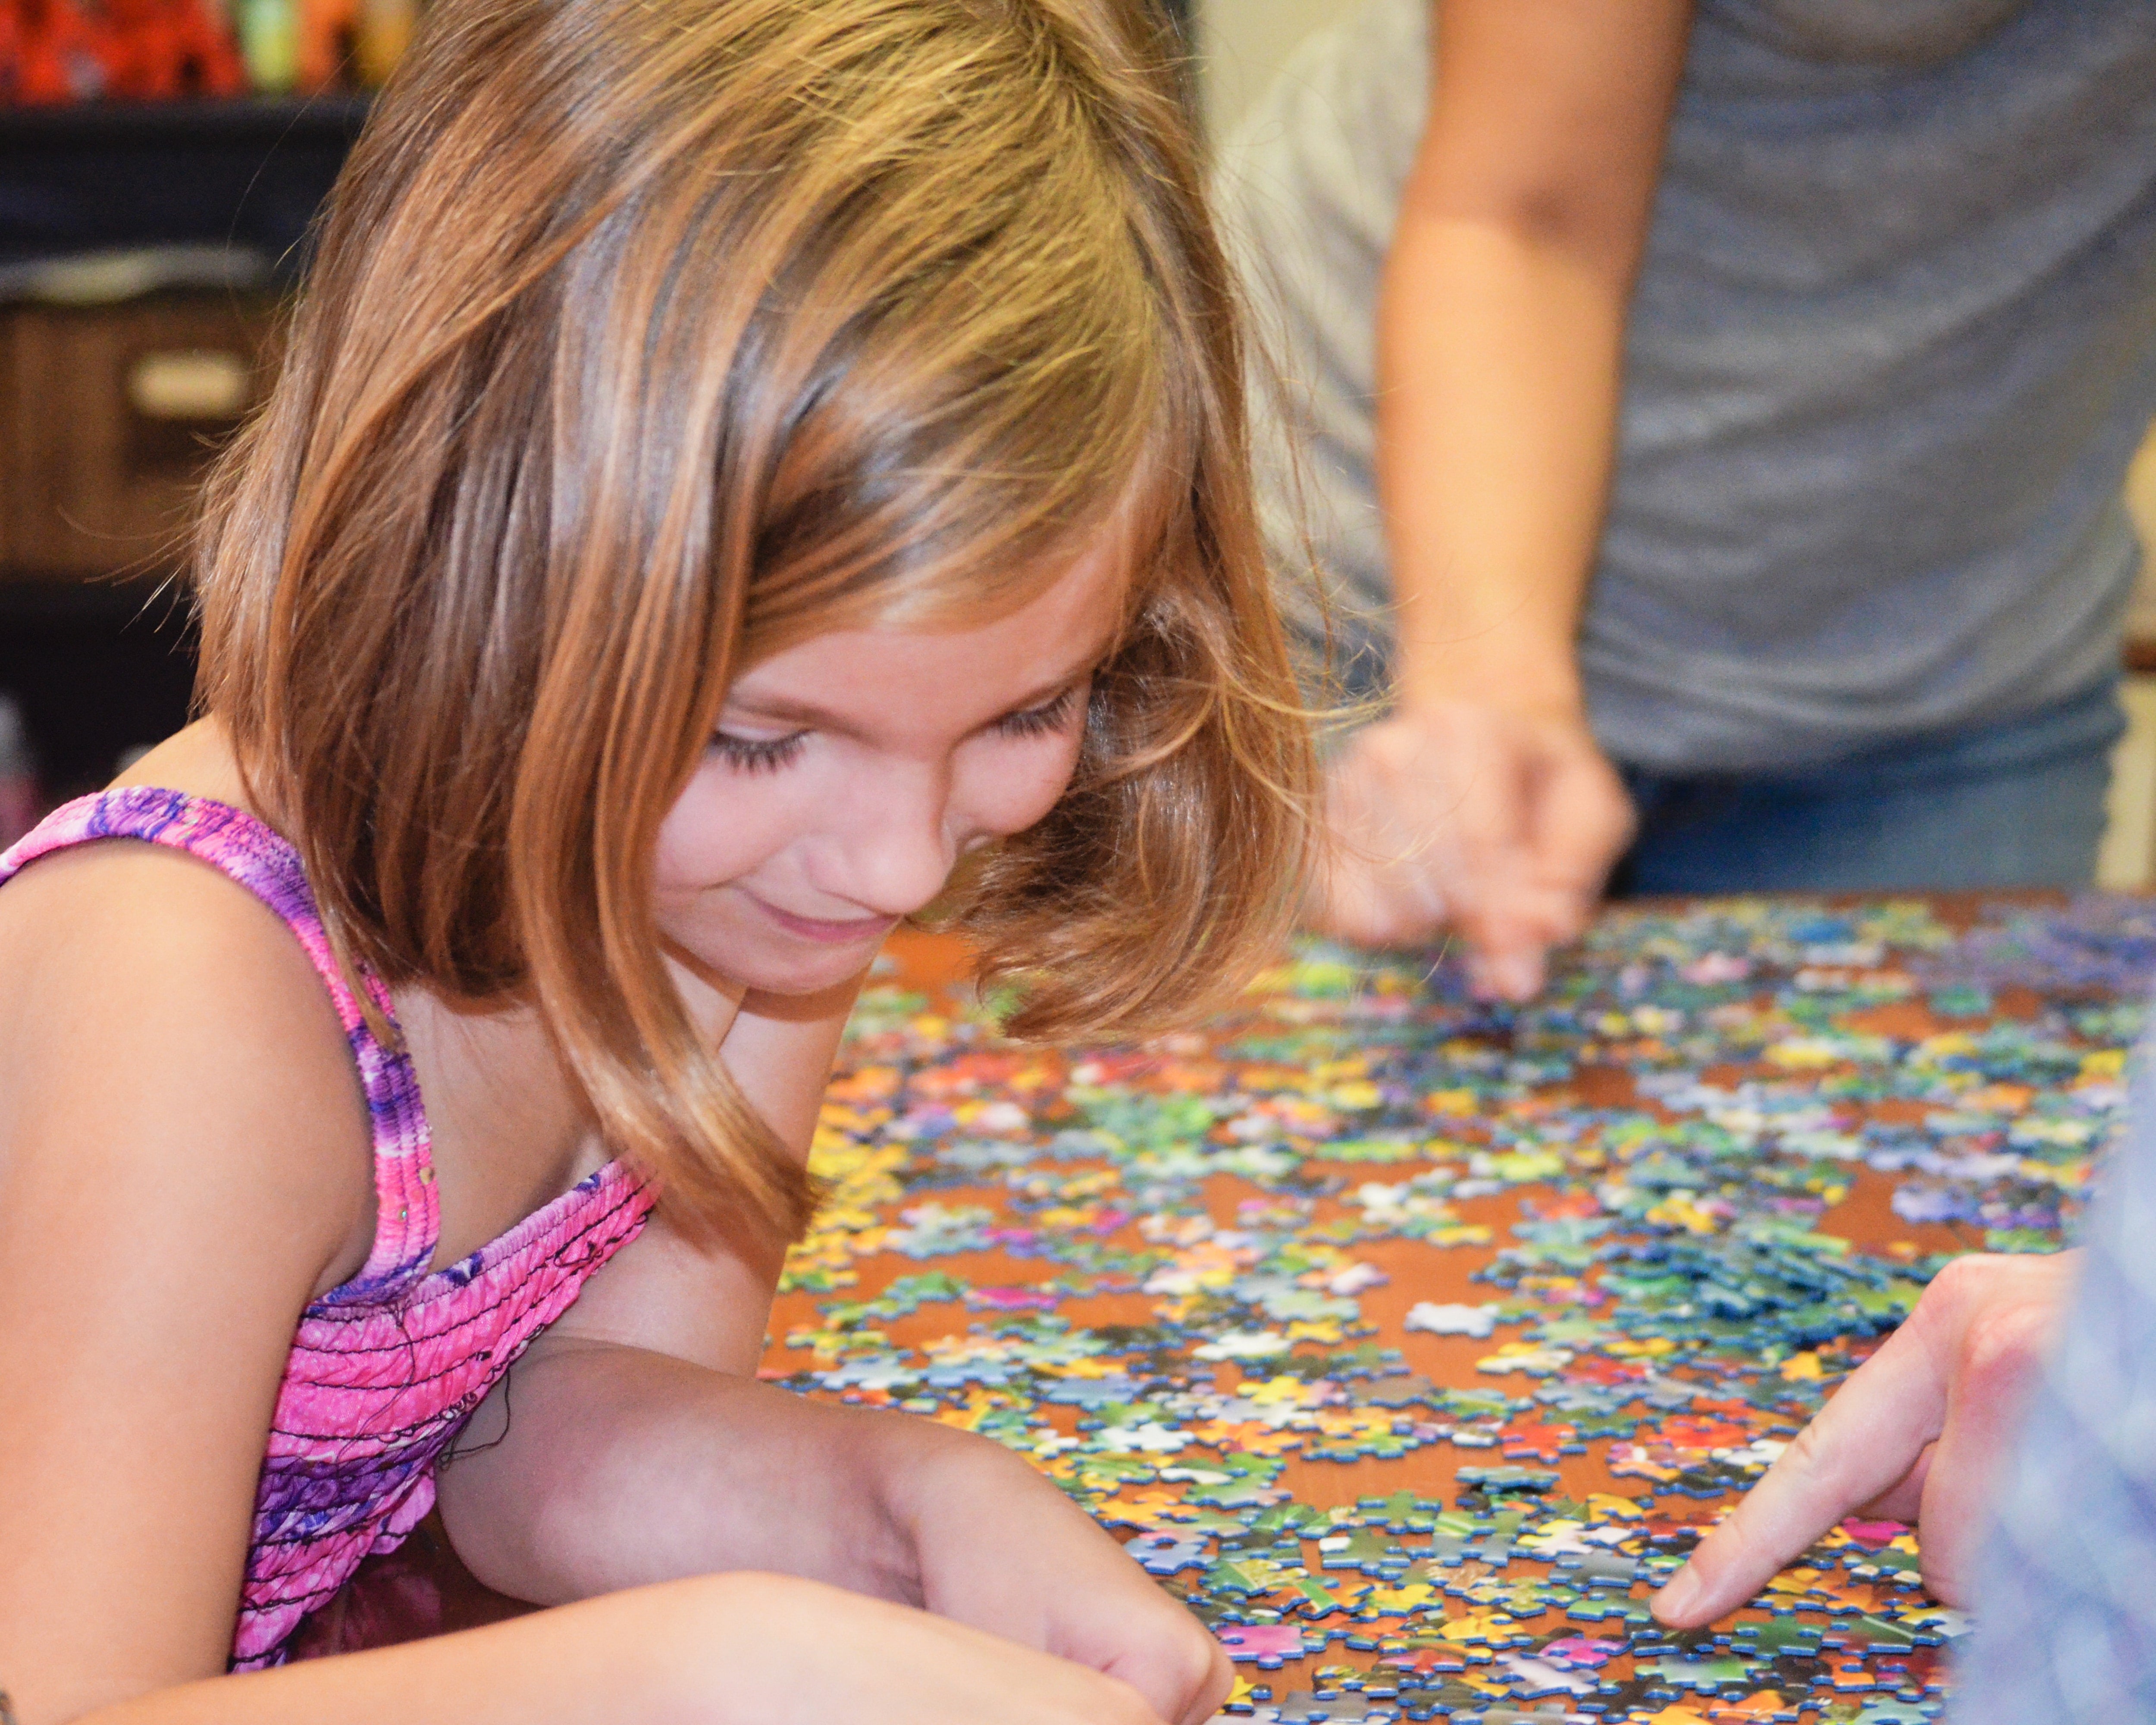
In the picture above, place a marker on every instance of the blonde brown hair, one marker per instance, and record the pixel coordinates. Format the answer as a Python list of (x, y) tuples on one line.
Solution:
[(647, 336)]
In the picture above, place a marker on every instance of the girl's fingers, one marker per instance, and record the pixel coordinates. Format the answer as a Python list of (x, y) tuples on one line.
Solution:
[(1185, 1683), (1158, 1649)]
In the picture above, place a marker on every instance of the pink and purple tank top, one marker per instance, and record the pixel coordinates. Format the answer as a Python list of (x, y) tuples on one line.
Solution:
[(384, 1370)]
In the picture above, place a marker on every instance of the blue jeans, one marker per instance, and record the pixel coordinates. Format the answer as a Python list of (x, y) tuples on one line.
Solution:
[(2020, 803)]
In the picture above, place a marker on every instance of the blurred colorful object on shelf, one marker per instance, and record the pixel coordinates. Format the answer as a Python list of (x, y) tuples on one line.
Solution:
[(138, 50), (58, 52)]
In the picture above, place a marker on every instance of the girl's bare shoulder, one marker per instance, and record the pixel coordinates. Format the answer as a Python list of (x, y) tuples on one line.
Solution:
[(184, 1152), (154, 1006)]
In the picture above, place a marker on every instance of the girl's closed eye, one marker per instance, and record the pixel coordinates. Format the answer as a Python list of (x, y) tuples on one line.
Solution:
[(1052, 715), (771, 754), (758, 754)]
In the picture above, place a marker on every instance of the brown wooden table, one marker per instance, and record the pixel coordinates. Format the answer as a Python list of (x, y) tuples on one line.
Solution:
[(423, 1590)]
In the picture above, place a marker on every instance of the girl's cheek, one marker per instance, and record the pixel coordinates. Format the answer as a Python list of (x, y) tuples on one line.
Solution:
[(722, 826), (1014, 794)]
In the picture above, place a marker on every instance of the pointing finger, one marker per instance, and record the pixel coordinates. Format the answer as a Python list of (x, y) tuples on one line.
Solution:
[(1862, 1443)]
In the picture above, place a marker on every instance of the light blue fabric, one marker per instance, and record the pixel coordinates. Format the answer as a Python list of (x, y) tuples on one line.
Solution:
[(2066, 1600), (1893, 346), (2017, 803)]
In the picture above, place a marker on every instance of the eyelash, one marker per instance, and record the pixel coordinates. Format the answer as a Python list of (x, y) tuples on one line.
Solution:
[(1038, 720), (768, 754), (758, 754)]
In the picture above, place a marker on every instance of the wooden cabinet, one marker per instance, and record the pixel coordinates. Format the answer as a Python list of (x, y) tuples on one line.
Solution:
[(109, 416)]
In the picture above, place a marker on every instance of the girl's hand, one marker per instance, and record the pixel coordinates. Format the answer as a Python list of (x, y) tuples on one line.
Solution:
[(1919, 1433), (1000, 1547), (824, 1655), (623, 1467), (745, 1649)]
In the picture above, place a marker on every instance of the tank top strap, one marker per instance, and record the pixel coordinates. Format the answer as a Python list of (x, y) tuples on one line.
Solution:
[(407, 1215)]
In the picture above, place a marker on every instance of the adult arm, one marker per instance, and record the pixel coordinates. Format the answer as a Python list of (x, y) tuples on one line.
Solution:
[(1484, 800)]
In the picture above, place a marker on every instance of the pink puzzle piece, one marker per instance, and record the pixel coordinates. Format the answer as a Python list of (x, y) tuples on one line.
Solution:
[(1873, 1534), (1576, 1650), (1262, 1641)]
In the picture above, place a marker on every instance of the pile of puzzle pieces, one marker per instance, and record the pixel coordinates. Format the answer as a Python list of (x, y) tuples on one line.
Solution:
[(1413, 1343)]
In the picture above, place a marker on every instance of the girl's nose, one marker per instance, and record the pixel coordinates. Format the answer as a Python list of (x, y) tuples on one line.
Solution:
[(901, 849)]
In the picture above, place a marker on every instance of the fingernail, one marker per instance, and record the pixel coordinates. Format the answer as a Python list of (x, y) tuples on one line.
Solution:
[(1680, 1596)]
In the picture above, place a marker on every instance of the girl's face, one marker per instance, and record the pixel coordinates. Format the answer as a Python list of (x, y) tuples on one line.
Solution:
[(851, 771)]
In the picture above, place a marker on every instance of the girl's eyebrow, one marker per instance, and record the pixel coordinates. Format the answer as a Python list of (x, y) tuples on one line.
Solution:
[(809, 716), (1049, 691)]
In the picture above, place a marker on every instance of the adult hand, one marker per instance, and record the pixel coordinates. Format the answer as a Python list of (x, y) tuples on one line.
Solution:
[(1919, 1433), (1000, 1548), (1502, 824)]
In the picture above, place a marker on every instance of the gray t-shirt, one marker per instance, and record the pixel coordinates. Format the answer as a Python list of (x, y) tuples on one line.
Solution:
[(1893, 346)]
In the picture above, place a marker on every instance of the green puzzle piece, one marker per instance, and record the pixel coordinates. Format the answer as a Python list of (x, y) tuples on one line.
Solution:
[(1779, 1636), (1705, 1675)]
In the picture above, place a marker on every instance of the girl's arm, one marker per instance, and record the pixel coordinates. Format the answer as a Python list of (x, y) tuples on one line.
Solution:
[(1501, 332), (633, 1446), (183, 1164), (741, 1650)]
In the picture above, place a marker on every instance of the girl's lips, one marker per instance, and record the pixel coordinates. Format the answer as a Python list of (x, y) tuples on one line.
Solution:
[(829, 934)]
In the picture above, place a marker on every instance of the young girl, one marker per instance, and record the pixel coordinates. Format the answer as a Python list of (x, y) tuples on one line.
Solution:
[(736, 459)]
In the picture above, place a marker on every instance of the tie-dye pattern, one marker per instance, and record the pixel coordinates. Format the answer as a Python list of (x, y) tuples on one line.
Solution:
[(385, 1370)]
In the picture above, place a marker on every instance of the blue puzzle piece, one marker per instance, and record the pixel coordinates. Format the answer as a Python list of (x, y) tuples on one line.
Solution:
[(1895, 1713), (1169, 1554)]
